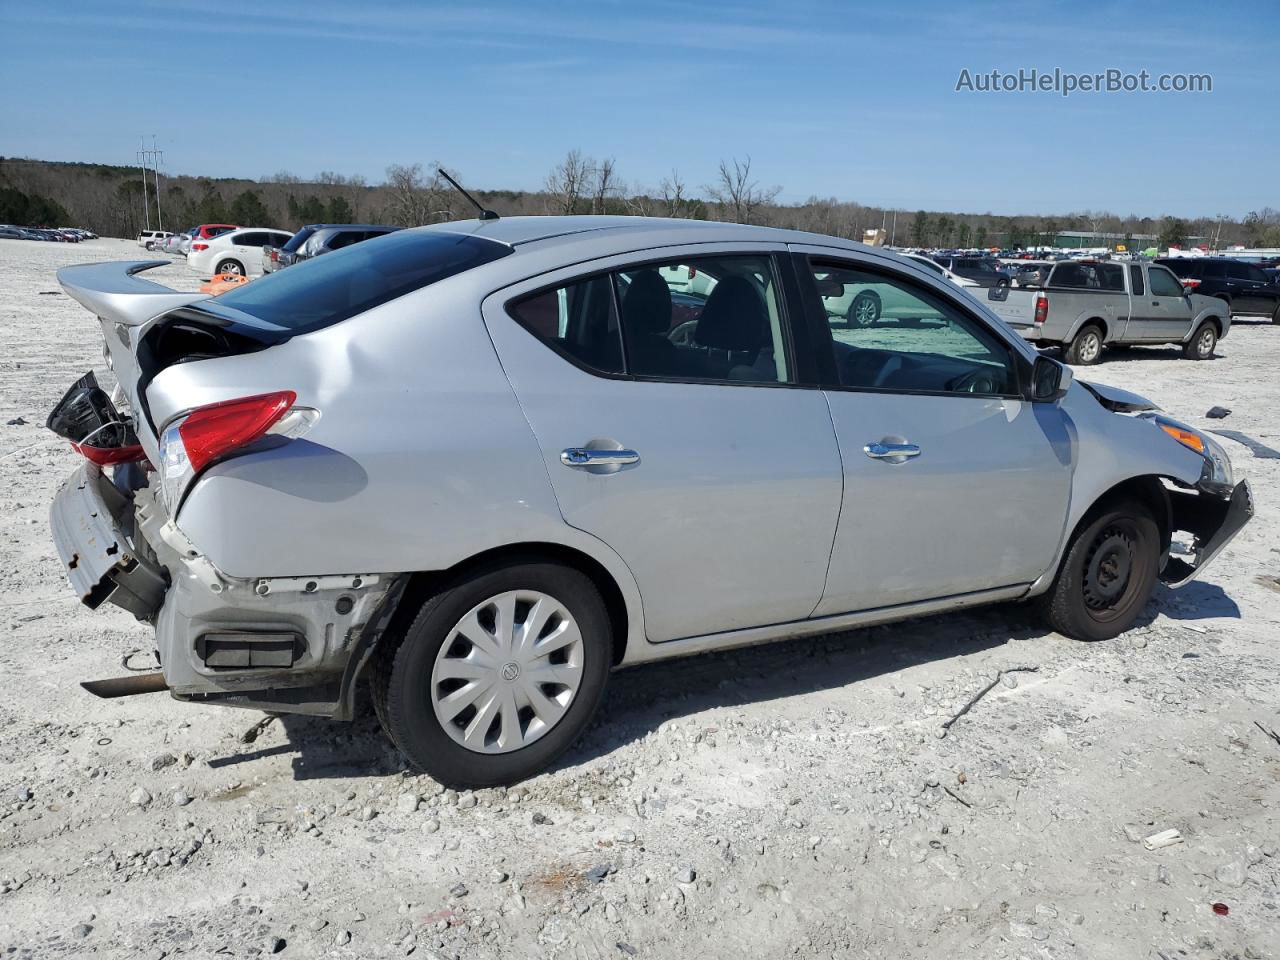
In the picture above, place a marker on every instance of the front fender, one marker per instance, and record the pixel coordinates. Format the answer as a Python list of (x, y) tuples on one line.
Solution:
[(1109, 449), (1215, 309)]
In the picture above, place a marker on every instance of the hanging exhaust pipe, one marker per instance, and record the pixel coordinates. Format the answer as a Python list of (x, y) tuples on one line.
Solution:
[(127, 686)]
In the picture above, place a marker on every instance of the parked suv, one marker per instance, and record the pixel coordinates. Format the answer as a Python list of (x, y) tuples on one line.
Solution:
[(1247, 288), (332, 237), (149, 239), (984, 271), (476, 466)]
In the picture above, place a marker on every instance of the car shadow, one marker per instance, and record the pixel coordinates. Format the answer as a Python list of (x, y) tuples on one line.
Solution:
[(642, 698)]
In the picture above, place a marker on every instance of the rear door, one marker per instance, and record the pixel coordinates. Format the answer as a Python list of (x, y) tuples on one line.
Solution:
[(676, 427), (1252, 292), (953, 483)]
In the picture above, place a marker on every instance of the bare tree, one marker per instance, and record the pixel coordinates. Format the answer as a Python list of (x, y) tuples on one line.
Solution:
[(605, 184), (415, 199), (567, 184), (739, 196), (674, 202)]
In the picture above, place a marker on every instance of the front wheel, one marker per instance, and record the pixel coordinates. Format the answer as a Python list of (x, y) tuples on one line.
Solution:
[(1107, 575), (498, 675), (1202, 343), (864, 311), (1086, 348)]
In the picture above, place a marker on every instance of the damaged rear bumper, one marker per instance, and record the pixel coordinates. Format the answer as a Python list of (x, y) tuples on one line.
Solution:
[(285, 644), (1212, 520)]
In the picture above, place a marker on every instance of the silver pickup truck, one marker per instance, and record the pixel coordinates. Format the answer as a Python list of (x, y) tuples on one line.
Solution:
[(1082, 306)]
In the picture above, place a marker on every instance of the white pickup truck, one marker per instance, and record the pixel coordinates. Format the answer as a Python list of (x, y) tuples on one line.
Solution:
[(1084, 305)]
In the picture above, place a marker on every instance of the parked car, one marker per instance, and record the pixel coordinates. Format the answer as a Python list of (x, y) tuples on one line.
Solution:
[(318, 238), (149, 238), (277, 257), (1083, 306), (236, 251), (984, 271), (1247, 289), (927, 263), (173, 244), (470, 467), (332, 237)]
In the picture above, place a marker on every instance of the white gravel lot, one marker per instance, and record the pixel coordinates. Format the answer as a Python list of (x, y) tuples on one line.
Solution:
[(790, 801)]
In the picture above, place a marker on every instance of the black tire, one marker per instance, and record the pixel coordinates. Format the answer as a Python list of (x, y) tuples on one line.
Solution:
[(865, 310), (1275, 317), (1202, 342), (400, 683), (233, 267), (1085, 349), (1107, 576)]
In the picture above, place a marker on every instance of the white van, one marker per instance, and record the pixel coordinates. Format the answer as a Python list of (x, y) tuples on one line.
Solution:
[(150, 238)]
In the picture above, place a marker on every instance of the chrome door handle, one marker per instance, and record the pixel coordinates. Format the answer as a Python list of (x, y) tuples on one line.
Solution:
[(580, 457), (891, 451)]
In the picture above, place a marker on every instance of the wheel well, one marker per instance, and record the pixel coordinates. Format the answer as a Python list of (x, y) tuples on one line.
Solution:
[(422, 584), (1217, 324), (1148, 491), (1094, 322)]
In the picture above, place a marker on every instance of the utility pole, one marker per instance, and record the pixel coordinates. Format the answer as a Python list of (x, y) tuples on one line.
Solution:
[(146, 202), (893, 241), (157, 157), (152, 158)]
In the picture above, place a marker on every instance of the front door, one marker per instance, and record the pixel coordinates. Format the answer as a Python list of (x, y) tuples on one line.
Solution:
[(673, 430), (953, 482), (1169, 314)]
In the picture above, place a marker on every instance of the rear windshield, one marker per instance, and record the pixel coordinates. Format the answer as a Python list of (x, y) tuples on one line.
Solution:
[(327, 290), (298, 239)]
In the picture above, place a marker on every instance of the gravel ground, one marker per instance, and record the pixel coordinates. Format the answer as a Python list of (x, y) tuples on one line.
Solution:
[(854, 795)]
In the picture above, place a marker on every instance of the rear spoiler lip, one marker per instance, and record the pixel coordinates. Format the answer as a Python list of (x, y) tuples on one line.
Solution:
[(114, 292)]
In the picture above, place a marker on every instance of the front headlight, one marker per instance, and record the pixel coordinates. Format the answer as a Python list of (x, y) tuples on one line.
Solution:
[(1217, 476)]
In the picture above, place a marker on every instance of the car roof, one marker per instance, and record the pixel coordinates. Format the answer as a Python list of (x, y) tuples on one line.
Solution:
[(623, 231), (355, 226)]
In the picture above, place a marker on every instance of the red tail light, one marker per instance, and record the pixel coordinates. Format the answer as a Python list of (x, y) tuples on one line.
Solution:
[(109, 456), (1042, 309), (219, 428), (199, 246), (1190, 283), (275, 256)]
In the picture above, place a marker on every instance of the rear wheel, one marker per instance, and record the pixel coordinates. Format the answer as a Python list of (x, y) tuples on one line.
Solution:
[(233, 267), (1107, 575), (1086, 348), (498, 675), (1202, 343)]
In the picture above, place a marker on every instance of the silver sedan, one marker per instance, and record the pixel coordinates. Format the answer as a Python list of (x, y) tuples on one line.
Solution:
[(479, 465)]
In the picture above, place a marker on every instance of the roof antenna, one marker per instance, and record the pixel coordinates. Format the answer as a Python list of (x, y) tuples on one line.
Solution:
[(485, 212)]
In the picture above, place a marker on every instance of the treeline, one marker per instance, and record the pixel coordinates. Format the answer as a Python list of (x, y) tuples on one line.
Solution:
[(113, 201)]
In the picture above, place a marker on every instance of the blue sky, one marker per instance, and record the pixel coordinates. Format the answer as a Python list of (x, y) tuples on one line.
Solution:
[(855, 101)]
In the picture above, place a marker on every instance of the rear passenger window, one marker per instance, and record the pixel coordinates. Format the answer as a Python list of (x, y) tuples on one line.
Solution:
[(712, 318), (578, 321), (1112, 276), (1135, 277)]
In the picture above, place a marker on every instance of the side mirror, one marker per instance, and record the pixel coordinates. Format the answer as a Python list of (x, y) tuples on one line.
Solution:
[(1050, 380), (1187, 291)]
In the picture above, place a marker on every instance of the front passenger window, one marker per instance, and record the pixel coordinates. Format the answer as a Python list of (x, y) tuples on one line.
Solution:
[(1163, 283), (888, 334)]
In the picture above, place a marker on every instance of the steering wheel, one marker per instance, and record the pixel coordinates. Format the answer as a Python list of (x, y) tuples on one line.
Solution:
[(979, 381), (682, 335)]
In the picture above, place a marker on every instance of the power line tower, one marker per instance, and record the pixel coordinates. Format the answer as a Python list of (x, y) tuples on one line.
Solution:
[(151, 158)]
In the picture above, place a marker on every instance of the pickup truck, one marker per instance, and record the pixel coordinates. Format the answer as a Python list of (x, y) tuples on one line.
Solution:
[(1083, 306)]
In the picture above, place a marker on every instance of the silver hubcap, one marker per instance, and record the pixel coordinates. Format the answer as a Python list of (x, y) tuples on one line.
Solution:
[(507, 672), (865, 312), (1089, 347), (231, 268), (1206, 342)]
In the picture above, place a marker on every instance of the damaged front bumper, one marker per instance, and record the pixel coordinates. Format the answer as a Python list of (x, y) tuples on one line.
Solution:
[(286, 644), (1212, 519)]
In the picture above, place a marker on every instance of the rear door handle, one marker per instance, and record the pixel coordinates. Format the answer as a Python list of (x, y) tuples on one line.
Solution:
[(898, 452), (581, 457)]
